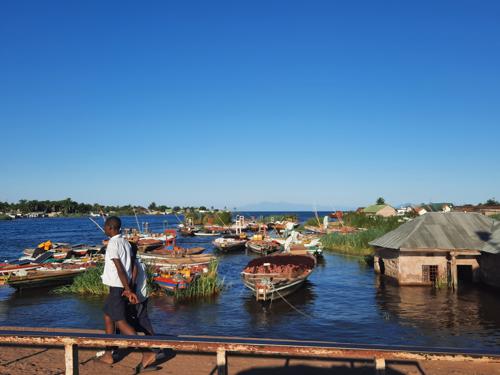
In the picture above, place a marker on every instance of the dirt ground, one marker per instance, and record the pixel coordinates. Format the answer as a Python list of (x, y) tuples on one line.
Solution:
[(50, 361)]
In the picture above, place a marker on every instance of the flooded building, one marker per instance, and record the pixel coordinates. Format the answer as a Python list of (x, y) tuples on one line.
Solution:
[(489, 261), (436, 248)]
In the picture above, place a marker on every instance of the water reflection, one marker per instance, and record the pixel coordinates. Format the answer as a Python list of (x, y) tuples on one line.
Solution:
[(472, 310), (278, 311)]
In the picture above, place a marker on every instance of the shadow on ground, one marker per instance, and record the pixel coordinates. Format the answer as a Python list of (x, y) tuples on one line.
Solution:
[(313, 370)]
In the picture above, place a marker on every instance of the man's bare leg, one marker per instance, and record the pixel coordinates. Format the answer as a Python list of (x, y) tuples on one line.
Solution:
[(126, 329), (109, 327)]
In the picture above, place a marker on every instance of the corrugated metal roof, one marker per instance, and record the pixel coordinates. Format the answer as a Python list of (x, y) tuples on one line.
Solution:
[(439, 230), (493, 244)]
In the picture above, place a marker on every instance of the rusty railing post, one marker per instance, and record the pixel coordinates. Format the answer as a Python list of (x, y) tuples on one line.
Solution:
[(221, 362), (379, 366), (71, 358)]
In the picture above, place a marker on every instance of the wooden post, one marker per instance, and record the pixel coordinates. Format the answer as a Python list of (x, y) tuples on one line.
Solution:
[(71, 359), (379, 366), (221, 362)]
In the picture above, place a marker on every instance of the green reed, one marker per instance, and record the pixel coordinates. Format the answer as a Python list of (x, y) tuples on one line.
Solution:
[(89, 282), (205, 285)]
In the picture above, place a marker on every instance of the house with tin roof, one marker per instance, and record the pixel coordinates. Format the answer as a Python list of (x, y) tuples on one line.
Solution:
[(383, 210), (489, 261), (439, 248)]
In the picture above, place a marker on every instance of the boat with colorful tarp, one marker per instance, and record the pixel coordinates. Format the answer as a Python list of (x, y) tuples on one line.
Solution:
[(277, 276), (174, 280)]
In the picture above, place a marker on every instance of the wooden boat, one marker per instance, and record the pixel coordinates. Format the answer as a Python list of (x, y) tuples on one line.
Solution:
[(177, 251), (212, 230), (256, 227), (60, 255), (147, 244), (171, 249), (39, 278), (277, 276), (171, 283), (168, 262), (174, 280), (188, 231), (7, 268), (207, 234), (264, 246), (227, 244)]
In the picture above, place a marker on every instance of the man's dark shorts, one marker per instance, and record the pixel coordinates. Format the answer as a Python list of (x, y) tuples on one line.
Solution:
[(137, 317), (115, 304)]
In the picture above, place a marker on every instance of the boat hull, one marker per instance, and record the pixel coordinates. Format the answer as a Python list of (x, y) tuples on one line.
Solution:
[(276, 293), (277, 276)]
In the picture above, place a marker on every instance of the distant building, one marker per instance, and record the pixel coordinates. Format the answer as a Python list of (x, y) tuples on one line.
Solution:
[(438, 207), (420, 210), (404, 210), (488, 210), (383, 210), (440, 248)]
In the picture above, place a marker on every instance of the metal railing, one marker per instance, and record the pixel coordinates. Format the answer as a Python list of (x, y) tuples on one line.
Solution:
[(222, 346)]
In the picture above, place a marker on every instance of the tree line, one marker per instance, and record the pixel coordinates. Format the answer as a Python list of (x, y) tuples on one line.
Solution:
[(70, 207)]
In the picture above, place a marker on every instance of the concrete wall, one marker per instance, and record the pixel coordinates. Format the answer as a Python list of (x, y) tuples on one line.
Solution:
[(489, 270), (389, 259), (406, 266), (410, 267)]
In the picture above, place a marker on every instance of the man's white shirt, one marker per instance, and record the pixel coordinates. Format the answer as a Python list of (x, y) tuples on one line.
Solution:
[(118, 248)]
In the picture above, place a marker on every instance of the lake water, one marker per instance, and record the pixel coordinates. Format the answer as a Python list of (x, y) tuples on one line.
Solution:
[(342, 301)]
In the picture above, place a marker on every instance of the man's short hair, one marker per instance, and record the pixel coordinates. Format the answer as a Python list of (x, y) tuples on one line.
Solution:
[(113, 222)]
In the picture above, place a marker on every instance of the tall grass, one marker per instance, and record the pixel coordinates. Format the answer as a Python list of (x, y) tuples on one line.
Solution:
[(205, 285), (357, 243), (496, 217), (351, 243), (89, 282)]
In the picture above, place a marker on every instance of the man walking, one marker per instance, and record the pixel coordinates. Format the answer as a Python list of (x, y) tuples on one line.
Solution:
[(117, 275)]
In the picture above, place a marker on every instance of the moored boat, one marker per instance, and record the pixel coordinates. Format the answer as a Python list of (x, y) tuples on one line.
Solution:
[(227, 244), (277, 276), (169, 262), (174, 280), (263, 246)]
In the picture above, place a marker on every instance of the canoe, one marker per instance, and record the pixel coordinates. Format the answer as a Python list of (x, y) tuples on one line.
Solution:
[(277, 276)]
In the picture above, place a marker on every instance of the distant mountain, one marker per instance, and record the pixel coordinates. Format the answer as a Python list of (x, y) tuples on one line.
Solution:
[(287, 206)]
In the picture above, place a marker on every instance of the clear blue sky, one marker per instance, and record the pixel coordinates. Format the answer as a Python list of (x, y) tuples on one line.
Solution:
[(231, 103)]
